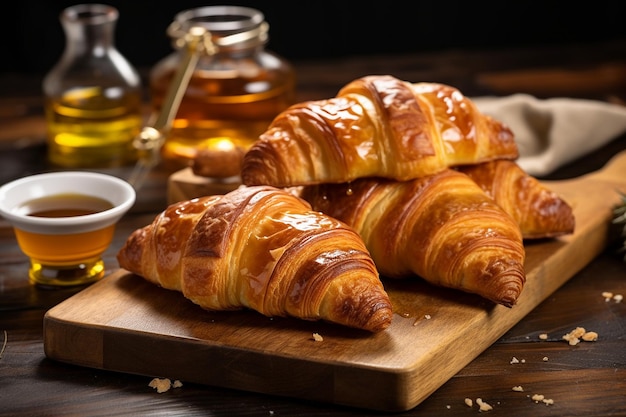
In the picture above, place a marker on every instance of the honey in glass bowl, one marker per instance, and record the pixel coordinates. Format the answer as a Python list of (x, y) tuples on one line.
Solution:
[(64, 222)]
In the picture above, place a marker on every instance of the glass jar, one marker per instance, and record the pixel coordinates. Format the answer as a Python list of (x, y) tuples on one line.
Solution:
[(235, 89), (92, 95)]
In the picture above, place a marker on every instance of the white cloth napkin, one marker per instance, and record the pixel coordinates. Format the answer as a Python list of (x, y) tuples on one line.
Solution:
[(552, 132)]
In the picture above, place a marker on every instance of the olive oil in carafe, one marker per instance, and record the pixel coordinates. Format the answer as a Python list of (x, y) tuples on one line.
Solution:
[(93, 127)]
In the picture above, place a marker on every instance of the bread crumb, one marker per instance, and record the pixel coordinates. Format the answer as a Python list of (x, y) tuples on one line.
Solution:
[(469, 402), (543, 336), (448, 406), (317, 337), (514, 360), (590, 337), (523, 361), (483, 406), (427, 316), (608, 296), (545, 359), (537, 398), (573, 337), (579, 333), (164, 384), (518, 388), (160, 384)]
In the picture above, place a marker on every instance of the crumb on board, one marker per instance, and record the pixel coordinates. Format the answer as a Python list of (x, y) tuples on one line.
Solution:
[(425, 317), (518, 388), (543, 336), (579, 333), (590, 337), (318, 337), (540, 398), (162, 385), (608, 296), (545, 359), (514, 360), (469, 402), (483, 406)]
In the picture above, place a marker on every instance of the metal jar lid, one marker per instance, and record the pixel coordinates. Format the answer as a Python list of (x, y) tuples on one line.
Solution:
[(230, 27)]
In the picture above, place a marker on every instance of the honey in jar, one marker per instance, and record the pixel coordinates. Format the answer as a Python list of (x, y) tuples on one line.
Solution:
[(235, 89)]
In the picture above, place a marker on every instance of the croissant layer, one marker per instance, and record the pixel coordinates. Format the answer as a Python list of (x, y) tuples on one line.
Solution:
[(264, 249), (442, 227), (540, 212), (376, 126)]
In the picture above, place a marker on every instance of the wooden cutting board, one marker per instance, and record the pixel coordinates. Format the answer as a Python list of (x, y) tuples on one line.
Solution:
[(126, 324)]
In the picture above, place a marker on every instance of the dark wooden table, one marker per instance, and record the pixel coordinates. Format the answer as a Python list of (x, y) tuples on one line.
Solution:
[(583, 380)]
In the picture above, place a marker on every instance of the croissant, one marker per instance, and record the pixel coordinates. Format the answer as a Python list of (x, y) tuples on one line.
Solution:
[(540, 212), (263, 249), (376, 126), (442, 227)]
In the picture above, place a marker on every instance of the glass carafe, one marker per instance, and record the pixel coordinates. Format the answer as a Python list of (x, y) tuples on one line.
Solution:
[(93, 94)]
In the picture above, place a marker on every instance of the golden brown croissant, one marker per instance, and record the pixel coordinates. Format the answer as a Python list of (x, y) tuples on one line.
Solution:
[(540, 212), (264, 249), (442, 227), (376, 126)]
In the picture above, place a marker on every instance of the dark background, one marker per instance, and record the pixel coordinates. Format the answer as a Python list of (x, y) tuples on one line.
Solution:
[(32, 38)]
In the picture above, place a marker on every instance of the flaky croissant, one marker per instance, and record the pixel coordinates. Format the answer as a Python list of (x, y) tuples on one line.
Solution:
[(264, 249), (540, 212), (376, 126), (442, 227)]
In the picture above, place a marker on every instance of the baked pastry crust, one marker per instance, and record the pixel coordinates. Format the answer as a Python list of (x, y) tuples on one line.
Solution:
[(442, 228), (375, 126), (264, 249)]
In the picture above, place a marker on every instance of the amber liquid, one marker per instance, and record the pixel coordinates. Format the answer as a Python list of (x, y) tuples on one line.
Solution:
[(65, 205), (90, 127), (218, 107), (65, 259)]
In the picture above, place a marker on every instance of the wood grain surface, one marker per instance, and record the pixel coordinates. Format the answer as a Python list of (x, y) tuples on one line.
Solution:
[(126, 324)]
